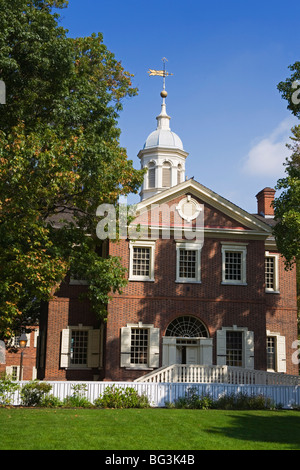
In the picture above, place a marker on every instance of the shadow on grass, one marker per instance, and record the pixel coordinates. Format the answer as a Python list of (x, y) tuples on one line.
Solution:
[(282, 430)]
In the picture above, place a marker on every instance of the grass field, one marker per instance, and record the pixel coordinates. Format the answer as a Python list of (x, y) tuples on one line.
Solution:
[(148, 429)]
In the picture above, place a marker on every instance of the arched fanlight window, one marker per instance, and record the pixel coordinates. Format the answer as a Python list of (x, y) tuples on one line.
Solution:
[(179, 173), (151, 175), (187, 327), (166, 175)]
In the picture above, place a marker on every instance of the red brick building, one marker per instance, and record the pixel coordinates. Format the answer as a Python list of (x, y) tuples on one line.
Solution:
[(206, 285), (12, 360)]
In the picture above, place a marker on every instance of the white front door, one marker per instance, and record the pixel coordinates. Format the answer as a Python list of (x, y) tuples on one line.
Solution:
[(177, 351)]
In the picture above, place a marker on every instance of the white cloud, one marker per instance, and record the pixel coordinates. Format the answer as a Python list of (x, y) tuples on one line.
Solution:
[(266, 157)]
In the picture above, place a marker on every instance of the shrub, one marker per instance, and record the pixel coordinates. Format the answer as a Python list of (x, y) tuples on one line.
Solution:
[(242, 401), (50, 401), (119, 397), (193, 401), (33, 392), (7, 389), (78, 399)]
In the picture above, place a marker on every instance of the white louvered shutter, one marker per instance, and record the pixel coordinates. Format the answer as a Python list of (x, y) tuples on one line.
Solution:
[(281, 354), (125, 346), (65, 348), (154, 347), (249, 349), (221, 347), (93, 348)]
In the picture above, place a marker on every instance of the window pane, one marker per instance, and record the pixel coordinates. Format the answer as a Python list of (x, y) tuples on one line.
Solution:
[(271, 352), (139, 346), (141, 262), (234, 348), (233, 266), (187, 263), (79, 343), (269, 272)]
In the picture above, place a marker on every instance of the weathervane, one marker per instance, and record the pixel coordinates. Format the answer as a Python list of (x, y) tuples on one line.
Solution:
[(161, 73)]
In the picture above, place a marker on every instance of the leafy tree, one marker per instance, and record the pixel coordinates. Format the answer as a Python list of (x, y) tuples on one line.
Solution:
[(287, 205), (59, 159)]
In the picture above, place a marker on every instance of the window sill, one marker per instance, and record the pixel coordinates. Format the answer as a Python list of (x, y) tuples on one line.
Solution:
[(141, 279), (269, 291), (226, 283), (187, 281), (137, 367)]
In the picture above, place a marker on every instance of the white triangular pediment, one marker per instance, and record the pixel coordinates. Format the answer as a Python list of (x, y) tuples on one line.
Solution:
[(209, 197)]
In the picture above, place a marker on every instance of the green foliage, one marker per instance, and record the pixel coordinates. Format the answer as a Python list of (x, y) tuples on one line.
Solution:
[(119, 397), (32, 393), (7, 389), (192, 400), (287, 206), (288, 89), (78, 399), (60, 159), (242, 401), (239, 401)]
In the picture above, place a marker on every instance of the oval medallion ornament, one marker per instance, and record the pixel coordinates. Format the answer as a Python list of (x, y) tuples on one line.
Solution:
[(189, 209)]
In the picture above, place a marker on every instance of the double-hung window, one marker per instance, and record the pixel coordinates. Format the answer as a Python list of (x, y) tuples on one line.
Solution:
[(139, 346), (81, 347), (271, 272), (141, 261), (188, 262), (234, 263)]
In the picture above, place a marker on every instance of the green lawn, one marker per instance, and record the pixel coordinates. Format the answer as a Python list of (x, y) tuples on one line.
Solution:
[(147, 429)]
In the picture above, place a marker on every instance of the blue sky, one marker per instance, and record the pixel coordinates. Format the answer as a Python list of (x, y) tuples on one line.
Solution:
[(227, 57)]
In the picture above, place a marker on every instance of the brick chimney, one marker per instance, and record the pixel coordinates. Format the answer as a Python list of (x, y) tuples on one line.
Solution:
[(264, 199)]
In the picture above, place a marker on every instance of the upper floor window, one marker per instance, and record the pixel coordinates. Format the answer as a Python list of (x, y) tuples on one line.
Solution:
[(234, 264), (141, 261), (188, 267), (271, 272)]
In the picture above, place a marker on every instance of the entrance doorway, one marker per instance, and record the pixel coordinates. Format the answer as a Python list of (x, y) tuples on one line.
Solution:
[(187, 342)]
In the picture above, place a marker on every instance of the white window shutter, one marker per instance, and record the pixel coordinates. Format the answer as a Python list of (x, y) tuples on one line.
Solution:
[(221, 347), (65, 348), (154, 347), (281, 354), (125, 346), (93, 348), (249, 349)]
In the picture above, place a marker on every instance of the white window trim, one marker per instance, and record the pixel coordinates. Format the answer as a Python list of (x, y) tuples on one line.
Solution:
[(235, 248), (274, 290), (153, 347), (142, 244), (189, 247)]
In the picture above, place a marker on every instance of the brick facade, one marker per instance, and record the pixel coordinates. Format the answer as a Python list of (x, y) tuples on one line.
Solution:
[(158, 302)]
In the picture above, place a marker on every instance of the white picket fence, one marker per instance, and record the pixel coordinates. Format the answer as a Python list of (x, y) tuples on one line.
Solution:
[(217, 374), (159, 394)]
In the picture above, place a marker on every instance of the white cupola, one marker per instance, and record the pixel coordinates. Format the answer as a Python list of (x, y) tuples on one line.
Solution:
[(163, 155)]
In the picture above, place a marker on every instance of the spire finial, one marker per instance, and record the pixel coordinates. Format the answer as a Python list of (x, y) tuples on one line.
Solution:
[(161, 73)]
